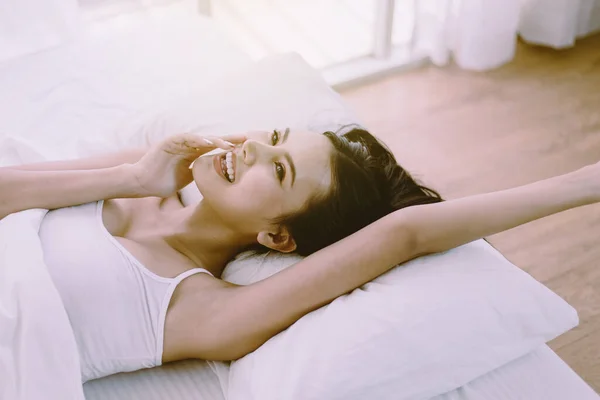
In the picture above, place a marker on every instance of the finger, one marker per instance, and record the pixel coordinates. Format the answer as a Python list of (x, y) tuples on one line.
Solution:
[(221, 143), (198, 143), (235, 138)]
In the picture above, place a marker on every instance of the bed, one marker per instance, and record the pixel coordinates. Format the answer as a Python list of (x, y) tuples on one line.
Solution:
[(78, 95), (539, 375)]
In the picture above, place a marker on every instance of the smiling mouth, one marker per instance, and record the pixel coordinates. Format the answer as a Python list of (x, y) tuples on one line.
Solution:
[(225, 164)]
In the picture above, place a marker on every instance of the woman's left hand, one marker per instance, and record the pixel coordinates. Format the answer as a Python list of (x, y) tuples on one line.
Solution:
[(164, 169)]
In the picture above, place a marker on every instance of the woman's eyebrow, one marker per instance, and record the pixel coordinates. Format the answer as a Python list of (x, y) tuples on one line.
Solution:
[(288, 157), (292, 167)]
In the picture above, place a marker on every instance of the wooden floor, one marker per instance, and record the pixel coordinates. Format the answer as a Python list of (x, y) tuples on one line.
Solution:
[(464, 133)]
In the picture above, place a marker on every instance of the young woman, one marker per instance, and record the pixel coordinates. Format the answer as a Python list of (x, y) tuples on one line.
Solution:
[(138, 270)]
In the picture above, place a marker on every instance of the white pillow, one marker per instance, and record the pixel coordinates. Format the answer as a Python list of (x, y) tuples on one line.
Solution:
[(277, 92), (422, 329)]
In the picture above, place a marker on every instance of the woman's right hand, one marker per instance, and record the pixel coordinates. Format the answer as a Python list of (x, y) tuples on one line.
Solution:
[(164, 169)]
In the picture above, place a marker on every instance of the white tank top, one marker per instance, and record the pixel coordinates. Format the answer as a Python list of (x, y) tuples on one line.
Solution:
[(116, 306)]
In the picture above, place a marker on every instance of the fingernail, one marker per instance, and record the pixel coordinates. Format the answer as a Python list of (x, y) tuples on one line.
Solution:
[(192, 164), (229, 143), (208, 142)]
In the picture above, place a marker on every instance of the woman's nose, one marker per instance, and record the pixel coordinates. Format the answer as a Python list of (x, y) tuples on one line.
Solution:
[(249, 151), (254, 150)]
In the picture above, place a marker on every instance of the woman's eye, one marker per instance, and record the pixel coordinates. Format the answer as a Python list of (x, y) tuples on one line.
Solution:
[(280, 171), (275, 137)]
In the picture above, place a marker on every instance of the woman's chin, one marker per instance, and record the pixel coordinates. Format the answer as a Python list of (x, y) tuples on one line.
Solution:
[(200, 170), (205, 185)]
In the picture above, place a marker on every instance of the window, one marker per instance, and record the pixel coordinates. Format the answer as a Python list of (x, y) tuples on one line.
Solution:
[(346, 39)]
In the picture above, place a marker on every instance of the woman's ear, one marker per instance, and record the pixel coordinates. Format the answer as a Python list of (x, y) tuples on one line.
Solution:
[(280, 240)]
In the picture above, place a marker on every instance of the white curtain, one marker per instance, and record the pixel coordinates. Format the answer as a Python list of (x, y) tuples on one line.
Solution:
[(481, 34)]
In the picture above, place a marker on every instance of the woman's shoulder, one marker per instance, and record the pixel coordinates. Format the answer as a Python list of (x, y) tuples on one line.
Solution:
[(195, 305)]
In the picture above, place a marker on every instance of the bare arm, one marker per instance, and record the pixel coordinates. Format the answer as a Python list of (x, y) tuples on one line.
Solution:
[(250, 315), (161, 171), (55, 184), (130, 156), (22, 190)]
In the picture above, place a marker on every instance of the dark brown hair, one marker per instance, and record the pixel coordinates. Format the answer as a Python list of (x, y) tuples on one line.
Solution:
[(368, 184)]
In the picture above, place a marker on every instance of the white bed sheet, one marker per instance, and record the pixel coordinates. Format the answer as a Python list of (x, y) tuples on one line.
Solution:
[(86, 90), (116, 69)]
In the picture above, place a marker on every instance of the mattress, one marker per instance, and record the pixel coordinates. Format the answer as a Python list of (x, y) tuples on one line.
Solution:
[(184, 380), (540, 375), (122, 67)]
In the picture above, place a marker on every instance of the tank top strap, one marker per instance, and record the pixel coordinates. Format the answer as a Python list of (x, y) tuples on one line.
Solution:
[(160, 329), (189, 272)]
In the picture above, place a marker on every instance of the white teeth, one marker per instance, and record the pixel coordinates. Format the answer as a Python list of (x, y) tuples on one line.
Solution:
[(228, 164)]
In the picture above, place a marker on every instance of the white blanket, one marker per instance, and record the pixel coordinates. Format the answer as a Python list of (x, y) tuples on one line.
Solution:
[(38, 353)]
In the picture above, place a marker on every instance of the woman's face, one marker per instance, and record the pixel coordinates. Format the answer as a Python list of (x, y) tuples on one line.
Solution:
[(272, 174)]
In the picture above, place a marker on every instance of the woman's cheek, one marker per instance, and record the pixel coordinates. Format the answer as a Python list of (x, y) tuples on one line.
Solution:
[(254, 196)]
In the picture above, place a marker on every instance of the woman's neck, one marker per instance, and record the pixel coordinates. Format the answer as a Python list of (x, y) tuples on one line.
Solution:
[(198, 233)]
